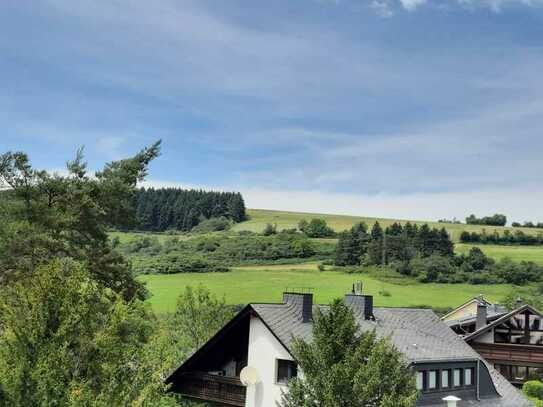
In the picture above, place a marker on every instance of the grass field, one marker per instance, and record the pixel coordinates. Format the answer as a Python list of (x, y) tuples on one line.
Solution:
[(258, 218), (266, 284), (516, 253)]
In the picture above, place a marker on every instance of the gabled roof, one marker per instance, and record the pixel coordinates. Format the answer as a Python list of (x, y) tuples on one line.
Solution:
[(498, 321), (418, 333), (494, 311), (478, 299)]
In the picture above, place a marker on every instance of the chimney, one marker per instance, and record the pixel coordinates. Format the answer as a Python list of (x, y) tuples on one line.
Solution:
[(480, 321), (518, 303), (302, 302), (362, 304)]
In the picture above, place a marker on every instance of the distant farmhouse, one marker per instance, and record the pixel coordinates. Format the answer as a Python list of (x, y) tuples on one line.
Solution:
[(511, 341), (259, 340)]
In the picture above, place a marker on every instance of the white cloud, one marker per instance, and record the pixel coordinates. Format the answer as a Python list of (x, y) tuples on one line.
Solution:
[(382, 8), (411, 5)]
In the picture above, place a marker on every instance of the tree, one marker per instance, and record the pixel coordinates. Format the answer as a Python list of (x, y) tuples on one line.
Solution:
[(345, 368), (65, 340), (317, 228), (66, 216), (198, 316), (375, 247)]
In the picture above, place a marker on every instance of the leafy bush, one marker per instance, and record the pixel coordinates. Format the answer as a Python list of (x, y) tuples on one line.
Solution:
[(385, 293), (533, 388), (269, 229), (212, 225), (175, 263), (316, 228)]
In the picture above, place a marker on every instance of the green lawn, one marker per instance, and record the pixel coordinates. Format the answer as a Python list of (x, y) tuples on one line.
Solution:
[(516, 253), (258, 218), (266, 284)]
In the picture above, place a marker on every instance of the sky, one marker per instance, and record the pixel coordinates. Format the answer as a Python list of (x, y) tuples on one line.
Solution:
[(412, 109)]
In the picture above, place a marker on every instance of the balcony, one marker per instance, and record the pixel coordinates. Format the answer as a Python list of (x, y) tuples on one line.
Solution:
[(219, 389)]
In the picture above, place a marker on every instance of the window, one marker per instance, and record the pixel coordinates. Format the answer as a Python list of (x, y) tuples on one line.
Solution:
[(286, 370), (445, 379), (420, 380), (432, 379), (457, 377), (468, 377)]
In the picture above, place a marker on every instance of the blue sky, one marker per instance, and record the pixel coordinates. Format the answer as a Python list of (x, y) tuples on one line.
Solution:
[(412, 108)]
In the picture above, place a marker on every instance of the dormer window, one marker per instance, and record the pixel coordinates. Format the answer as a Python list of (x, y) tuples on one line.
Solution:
[(432, 379), (468, 377), (445, 380), (457, 377)]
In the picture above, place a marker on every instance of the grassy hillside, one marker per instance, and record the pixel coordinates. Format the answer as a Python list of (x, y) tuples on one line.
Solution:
[(515, 253), (258, 218), (266, 284)]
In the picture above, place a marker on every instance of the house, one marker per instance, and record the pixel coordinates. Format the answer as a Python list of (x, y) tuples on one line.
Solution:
[(260, 338), (512, 341)]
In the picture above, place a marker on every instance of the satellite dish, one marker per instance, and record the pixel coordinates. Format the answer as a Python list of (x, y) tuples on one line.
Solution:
[(249, 376)]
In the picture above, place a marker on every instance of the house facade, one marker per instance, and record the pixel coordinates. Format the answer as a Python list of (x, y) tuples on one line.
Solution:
[(511, 341), (260, 338)]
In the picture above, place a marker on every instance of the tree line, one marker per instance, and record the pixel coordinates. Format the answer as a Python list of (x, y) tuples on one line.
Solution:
[(494, 220), (529, 224), (183, 209), (358, 246), (517, 237)]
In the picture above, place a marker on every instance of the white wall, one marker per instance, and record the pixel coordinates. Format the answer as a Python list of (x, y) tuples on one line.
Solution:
[(264, 349), (487, 337)]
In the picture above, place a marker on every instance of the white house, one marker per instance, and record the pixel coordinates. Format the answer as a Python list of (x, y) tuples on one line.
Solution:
[(259, 339)]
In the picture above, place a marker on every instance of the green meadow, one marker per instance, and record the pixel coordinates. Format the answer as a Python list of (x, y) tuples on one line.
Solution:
[(266, 284), (258, 218)]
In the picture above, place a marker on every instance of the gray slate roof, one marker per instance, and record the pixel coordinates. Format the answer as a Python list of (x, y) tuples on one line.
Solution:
[(418, 333)]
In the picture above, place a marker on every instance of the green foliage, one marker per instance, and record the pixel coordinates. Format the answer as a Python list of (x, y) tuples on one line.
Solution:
[(534, 389), (50, 216), (269, 230), (345, 368), (518, 237), (316, 228), (198, 315), (212, 225), (179, 263), (67, 341), (174, 208), (494, 220), (396, 243), (474, 268), (220, 250)]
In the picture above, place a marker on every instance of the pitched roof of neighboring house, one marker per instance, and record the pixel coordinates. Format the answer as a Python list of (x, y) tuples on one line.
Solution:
[(418, 333), (478, 299), (494, 311), (501, 319)]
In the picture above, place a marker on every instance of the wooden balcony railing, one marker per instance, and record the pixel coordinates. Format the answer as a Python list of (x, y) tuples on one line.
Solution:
[(510, 352), (219, 389)]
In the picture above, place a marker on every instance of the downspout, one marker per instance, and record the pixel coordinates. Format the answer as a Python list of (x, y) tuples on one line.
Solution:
[(477, 379)]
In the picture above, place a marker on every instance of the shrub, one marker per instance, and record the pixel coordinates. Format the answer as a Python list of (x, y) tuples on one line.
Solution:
[(385, 293), (316, 228), (212, 225), (321, 267), (175, 263), (533, 388), (269, 230)]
